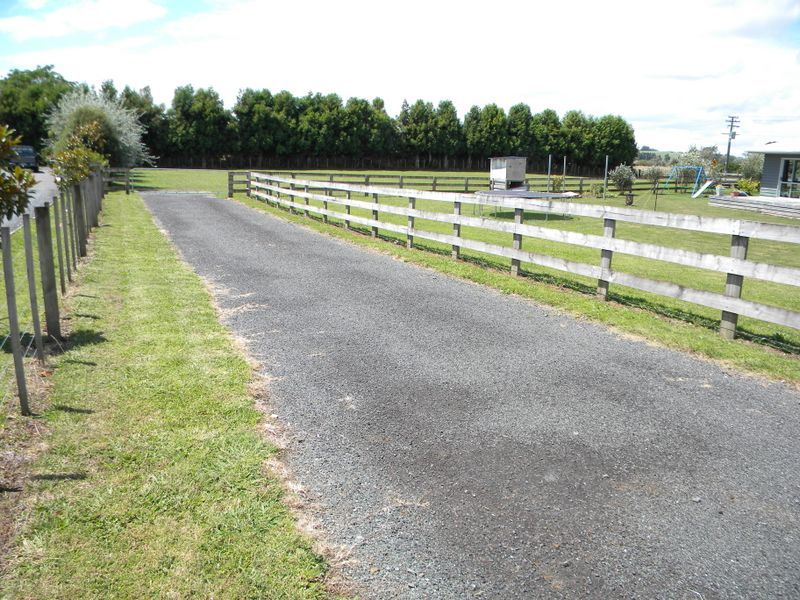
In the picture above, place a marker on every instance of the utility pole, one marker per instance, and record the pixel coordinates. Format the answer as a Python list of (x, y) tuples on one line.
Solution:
[(733, 123)]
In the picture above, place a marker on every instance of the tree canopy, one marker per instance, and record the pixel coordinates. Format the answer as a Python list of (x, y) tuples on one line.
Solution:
[(26, 97), (266, 125)]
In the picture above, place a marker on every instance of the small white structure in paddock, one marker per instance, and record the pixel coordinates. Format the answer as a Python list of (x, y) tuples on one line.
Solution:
[(507, 172)]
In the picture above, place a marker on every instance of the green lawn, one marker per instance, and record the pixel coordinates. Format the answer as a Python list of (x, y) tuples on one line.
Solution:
[(153, 481), (655, 317)]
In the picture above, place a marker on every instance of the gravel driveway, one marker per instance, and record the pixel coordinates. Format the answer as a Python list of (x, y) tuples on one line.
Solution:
[(464, 443)]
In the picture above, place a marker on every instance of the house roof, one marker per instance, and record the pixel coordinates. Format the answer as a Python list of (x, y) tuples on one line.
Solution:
[(793, 147)]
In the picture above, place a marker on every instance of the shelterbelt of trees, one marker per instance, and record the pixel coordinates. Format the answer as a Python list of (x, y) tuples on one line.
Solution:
[(262, 125)]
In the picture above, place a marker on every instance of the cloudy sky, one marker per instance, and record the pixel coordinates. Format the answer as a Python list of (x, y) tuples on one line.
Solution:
[(676, 70)]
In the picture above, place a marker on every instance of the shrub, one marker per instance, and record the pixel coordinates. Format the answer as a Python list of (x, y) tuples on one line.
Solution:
[(77, 156), (622, 177), (116, 132), (15, 182), (596, 190), (557, 183), (750, 186), (752, 166), (653, 175)]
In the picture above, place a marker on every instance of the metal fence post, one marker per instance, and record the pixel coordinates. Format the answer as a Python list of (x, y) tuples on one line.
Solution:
[(733, 287), (13, 321), (37, 327), (44, 239)]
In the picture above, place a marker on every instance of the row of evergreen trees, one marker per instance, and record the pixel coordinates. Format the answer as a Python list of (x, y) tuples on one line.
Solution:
[(265, 129)]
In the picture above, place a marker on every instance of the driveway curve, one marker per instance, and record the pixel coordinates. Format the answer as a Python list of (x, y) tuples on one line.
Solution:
[(464, 443)]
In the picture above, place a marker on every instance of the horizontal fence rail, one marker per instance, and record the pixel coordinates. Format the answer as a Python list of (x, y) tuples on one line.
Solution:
[(237, 182), (288, 191)]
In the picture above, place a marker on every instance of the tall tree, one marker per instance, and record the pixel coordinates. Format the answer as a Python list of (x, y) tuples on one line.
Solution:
[(153, 118), (26, 97), (521, 140), (614, 136), (199, 123), (256, 122), (448, 133), (577, 137), (486, 131), (546, 129), (320, 125), (417, 125)]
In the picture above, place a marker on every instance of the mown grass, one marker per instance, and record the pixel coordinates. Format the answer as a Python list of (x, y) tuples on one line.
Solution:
[(671, 322), (153, 481)]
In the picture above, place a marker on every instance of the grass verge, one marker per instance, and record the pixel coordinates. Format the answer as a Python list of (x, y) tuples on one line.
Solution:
[(152, 483)]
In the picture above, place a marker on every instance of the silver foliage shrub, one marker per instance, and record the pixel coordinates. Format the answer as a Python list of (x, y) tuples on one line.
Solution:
[(122, 131)]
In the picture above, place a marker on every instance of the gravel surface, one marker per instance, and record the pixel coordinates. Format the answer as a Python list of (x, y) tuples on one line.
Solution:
[(464, 443), (43, 191)]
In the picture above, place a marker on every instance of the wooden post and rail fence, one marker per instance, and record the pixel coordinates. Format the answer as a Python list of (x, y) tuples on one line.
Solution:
[(238, 181), (295, 194), (71, 216)]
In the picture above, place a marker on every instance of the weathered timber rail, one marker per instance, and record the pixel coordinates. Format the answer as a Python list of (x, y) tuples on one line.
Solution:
[(237, 181), (285, 191), (117, 177)]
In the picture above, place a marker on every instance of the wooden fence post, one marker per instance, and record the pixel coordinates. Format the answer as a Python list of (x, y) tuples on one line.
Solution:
[(375, 215), (456, 250), (57, 218), (80, 217), (733, 287), (409, 235), (466, 185), (325, 204), (433, 184), (127, 182), (609, 230), (62, 212), (72, 225), (580, 186), (249, 184), (517, 240), (44, 239), (94, 201), (307, 201), (230, 184), (13, 321), (347, 211), (37, 327), (401, 182)]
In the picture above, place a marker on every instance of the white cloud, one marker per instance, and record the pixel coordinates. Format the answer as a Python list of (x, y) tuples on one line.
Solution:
[(82, 16), (675, 78)]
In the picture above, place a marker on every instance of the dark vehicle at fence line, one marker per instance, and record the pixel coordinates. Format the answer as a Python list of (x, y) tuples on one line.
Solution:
[(25, 158)]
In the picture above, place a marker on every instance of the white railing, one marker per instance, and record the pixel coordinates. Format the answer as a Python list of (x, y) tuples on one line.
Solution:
[(284, 191)]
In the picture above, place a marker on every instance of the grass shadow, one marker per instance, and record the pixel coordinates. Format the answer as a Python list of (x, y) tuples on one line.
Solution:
[(72, 409), (59, 477)]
